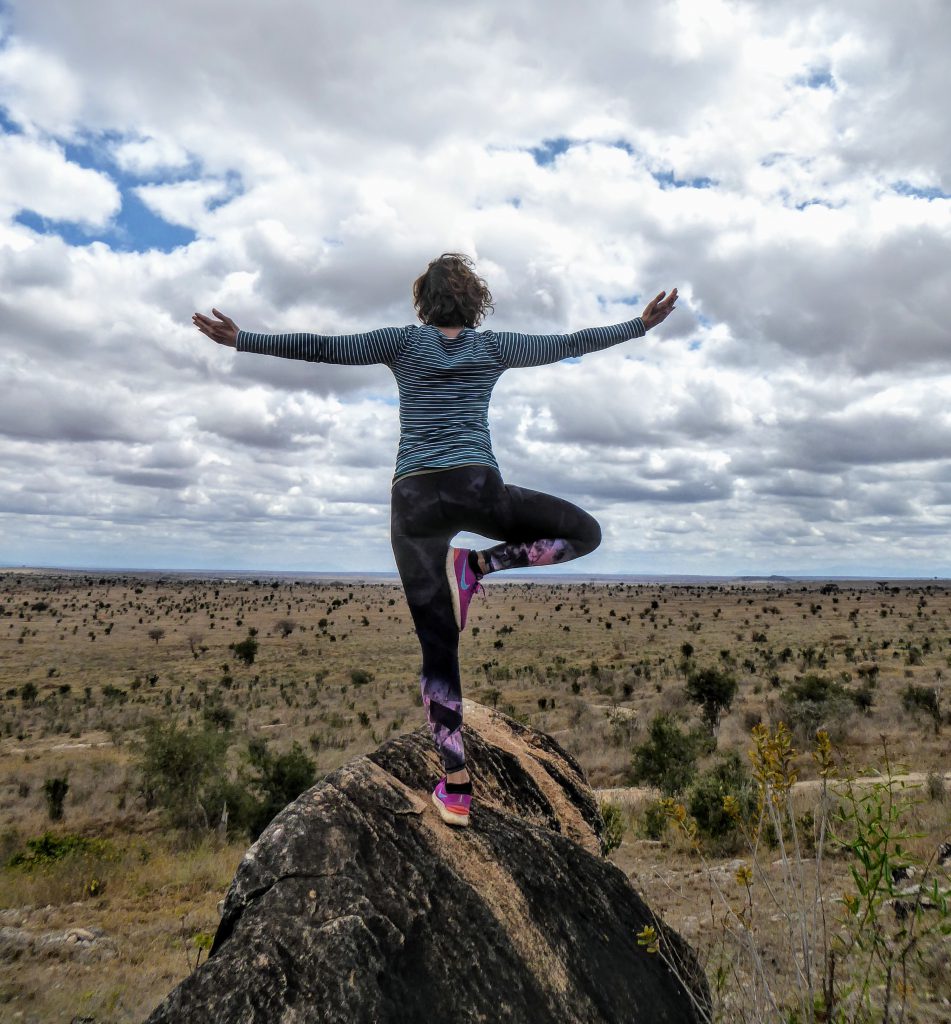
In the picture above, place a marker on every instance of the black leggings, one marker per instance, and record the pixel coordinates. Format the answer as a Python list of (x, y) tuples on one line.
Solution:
[(427, 512)]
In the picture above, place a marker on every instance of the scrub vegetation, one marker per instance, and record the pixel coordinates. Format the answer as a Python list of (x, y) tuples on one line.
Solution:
[(150, 726)]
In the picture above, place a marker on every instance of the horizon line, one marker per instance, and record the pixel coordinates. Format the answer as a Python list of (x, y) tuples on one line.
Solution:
[(510, 574)]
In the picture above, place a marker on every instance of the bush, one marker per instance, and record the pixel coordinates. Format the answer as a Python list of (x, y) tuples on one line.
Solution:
[(49, 848), (216, 715), (246, 649), (655, 820), (178, 769), (614, 828), (729, 777), (815, 702), (278, 779), (922, 698), (668, 760), (56, 790)]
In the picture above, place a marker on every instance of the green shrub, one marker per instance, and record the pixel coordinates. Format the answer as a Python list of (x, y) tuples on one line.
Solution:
[(815, 702), (49, 848), (178, 768), (278, 779), (668, 760), (705, 802), (713, 690), (246, 650), (56, 790), (614, 828), (655, 820)]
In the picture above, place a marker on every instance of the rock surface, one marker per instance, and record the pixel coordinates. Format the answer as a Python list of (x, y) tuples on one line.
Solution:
[(358, 904)]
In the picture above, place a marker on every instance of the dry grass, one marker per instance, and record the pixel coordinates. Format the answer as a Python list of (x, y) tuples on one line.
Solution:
[(601, 680)]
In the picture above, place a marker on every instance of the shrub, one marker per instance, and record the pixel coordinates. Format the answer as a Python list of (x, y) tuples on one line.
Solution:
[(728, 778), (177, 768), (246, 650), (815, 702), (278, 779), (668, 760), (216, 715), (49, 848), (922, 698), (360, 677), (614, 828), (714, 691), (655, 820), (56, 790)]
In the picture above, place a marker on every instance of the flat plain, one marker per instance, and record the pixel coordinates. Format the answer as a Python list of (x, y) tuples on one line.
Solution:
[(87, 659)]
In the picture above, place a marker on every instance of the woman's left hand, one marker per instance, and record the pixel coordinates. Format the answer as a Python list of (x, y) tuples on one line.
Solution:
[(223, 330), (658, 309)]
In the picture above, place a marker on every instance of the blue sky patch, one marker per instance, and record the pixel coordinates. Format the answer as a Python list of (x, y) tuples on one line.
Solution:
[(545, 154), (135, 228), (666, 180), (817, 78), (622, 300), (903, 188), (8, 127)]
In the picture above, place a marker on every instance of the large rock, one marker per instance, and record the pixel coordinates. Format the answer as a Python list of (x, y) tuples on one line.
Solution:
[(358, 904)]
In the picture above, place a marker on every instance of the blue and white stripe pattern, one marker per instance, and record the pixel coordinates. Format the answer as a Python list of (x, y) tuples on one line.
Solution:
[(444, 383)]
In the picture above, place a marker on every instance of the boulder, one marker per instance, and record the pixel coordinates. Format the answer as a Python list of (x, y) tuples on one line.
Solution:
[(358, 904)]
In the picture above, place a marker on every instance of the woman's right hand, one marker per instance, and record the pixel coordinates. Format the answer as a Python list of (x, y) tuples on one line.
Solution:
[(223, 330)]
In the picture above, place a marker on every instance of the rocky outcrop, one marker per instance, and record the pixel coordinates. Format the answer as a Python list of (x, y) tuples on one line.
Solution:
[(358, 904)]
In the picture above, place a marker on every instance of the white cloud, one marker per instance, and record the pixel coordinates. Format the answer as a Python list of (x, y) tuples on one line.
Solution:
[(37, 176), (787, 417), (142, 156)]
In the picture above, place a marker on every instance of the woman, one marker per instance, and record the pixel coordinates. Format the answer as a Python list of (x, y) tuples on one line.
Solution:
[(446, 478)]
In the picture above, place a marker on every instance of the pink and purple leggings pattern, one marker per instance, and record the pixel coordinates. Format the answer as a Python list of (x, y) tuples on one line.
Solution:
[(427, 511)]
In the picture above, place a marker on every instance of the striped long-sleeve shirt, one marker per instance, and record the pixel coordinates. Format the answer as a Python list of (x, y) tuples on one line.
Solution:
[(444, 383)]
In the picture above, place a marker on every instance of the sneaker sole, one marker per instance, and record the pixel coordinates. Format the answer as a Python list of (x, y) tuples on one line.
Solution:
[(453, 588), (450, 817)]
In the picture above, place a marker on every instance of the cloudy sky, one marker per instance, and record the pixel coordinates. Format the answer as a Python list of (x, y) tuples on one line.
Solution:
[(786, 164)]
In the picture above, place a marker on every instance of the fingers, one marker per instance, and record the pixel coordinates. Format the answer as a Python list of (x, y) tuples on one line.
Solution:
[(222, 317)]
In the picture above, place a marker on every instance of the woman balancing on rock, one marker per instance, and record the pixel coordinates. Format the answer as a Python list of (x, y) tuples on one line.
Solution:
[(447, 479)]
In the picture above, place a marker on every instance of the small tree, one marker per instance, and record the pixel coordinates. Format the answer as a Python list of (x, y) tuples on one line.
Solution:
[(285, 627), (156, 633), (714, 691)]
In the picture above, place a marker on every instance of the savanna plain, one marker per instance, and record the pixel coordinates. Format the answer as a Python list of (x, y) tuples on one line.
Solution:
[(135, 707)]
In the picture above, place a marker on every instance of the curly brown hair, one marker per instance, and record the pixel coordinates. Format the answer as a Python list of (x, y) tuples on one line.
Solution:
[(451, 294)]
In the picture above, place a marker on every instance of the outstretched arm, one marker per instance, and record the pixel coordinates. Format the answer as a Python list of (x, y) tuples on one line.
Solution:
[(517, 350), (381, 346)]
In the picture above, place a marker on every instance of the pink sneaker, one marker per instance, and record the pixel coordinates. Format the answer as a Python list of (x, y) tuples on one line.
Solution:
[(453, 807), (463, 583)]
